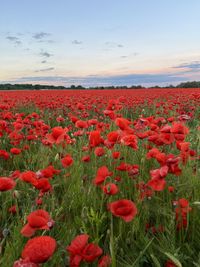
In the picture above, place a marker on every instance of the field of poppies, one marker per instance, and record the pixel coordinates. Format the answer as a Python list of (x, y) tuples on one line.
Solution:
[(100, 178)]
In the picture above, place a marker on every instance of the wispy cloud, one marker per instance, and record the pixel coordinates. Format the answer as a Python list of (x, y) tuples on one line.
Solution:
[(14, 39), (43, 61), (135, 54), (45, 54), (44, 70), (41, 35), (96, 80), (194, 65), (77, 42), (20, 38), (113, 45)]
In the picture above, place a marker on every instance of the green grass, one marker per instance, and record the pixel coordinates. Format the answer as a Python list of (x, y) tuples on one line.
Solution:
[(77, 206)]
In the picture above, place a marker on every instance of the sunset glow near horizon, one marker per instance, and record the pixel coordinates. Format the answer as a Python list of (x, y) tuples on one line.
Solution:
[(99, 43)]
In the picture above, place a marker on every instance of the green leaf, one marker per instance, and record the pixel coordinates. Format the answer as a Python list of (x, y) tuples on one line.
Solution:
[(174, 259), (155, 261)]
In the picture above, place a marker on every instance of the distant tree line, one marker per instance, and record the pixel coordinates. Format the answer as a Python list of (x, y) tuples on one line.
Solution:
[(8, 86), (193, 84)]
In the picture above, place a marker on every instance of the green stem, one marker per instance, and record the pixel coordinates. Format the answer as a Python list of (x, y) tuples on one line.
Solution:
[(112, 249)]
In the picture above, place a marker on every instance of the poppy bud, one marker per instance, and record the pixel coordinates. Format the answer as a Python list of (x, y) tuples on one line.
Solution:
[(16, 194)]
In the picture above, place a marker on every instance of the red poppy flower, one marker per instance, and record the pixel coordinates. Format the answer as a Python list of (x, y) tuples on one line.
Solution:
[(179, 128), (80, 106), (182, 210), (73, 118), (29, 177), (43, 185), (110, 189), (102, 174), (155, 153), (57, 135), (80, 250), (86, 158), (15, 151), (124, 209), (39, 249), (39, 201), (133, 171), (124, 167), (179, 131), (13, 209), (79, 133), (113, 136), (60, 119), (67, 161), (130, 140), (157, 181), (49, 172), (157, 184), (172, 163), (99, 151), (110, 114), (105, 261), (122, 123), (78, 244), (81, 124), (39, 219), (91, 252), (116, 154), (171, 189), (15, 174), (4, 154), (6, 183), (159, 173), (95, 138)]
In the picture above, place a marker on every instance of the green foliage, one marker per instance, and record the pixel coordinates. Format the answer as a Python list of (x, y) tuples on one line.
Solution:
[(193, 84), (77, 206)]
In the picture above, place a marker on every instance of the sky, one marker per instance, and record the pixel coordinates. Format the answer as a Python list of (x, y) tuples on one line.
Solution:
[(99, 42)]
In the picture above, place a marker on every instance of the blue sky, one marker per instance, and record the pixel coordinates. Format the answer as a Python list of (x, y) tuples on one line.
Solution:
[(99, 42)]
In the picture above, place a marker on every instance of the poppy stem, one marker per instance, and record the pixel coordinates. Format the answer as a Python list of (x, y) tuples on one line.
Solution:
[(112, 249)]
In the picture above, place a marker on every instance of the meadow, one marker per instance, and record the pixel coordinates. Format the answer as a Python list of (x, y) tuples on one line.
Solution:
[(100, 178)]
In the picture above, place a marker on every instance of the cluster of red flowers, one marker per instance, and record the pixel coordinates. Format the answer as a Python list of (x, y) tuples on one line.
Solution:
[(80, 250), (110, 139), (182, 209)]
